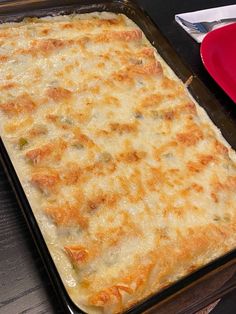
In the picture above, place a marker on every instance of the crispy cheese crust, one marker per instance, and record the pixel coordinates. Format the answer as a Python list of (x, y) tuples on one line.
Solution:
[(131, 183)]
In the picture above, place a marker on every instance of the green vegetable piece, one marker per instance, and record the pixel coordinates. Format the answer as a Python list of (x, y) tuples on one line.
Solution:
[(227, 217), (22, 142), (168, 155), (66, 120), (216, 218), (138, 115), (105, 157), (78, 146), (155, 114)]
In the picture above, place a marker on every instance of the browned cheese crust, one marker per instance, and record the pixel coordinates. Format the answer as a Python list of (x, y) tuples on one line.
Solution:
[(131, 183)]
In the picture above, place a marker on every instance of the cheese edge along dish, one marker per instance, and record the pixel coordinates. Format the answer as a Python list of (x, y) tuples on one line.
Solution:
[(132, 185)]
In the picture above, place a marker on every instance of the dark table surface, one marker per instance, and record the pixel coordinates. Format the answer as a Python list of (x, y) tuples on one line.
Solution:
[(24, 284)]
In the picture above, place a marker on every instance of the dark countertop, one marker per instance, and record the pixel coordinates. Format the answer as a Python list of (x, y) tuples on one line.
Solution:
[(24, 284)]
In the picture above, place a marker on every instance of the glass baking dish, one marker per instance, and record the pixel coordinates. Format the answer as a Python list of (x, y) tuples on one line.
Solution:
[(203, 286)]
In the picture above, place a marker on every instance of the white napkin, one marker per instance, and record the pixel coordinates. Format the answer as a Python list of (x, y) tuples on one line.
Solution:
[(206, 16)]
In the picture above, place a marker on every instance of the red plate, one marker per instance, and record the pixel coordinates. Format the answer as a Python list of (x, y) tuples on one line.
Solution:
[(218, 53)]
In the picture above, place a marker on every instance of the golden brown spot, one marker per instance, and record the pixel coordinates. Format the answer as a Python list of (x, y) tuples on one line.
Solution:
[(131, 157), (155, 179), (78, 254), (102, 198), (71, 173), (172, 85), (6, 34), (129, 73), (69, 67), (9, 76), (45, 46), (46, 179), (151, 68), (214, 197), (67, 215), (3, 58), (16, 125), (169, 115), (37, 130), (21, 104), (230, 183), (132, 186), (198, 166), (197, 187), (105, 296), (101, 65), (192, 188), (88, 24), (38, 154), (194, 166), (51, 151), (188, 108), (147, 51), (110, 101), (83, 139), (122, 128), (100, 168), (58, 93), (45, 31), (37, 73), (220, 148), (190, 137), (205, 159), (133, 35), (8, 86), (152, 100)]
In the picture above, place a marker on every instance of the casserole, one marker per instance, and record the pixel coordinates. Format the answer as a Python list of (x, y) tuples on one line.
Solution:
[(114, 128)]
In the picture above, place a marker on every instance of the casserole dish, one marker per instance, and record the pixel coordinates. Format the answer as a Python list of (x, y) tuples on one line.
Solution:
[(113, 4)]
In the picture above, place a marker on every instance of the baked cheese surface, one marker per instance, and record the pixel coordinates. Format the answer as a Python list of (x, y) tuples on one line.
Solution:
[(132, 185)]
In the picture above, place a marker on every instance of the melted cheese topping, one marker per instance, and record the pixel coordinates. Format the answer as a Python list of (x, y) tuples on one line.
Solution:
[(131, 184)]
